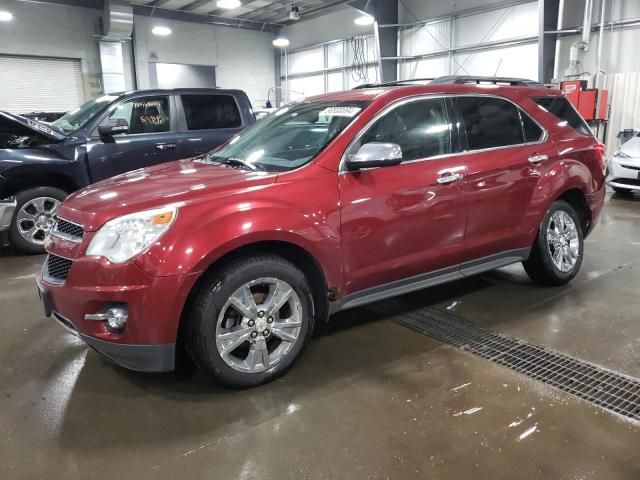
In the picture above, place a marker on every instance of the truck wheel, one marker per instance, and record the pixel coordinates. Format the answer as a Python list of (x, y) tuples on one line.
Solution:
[(34, 216), (250, 320), (556, 255)]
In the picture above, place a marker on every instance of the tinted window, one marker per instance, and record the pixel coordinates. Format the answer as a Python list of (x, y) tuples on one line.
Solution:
[(144, 115), (562, 108), (421, 128), (490, 122), (532, 131), (205, 112)]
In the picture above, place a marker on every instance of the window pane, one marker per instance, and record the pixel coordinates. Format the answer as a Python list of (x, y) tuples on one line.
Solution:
[(306, 61), (205, 112), (335, 82), (490, 122), (532, 132), (335, 54), (421, 128), (561, 108), (145, 115), (306, 86)]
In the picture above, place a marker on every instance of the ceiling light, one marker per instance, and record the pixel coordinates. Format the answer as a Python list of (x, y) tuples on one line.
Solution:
[(281, 42), (364, 20), (228, 4), (162, 31), (5, 16)]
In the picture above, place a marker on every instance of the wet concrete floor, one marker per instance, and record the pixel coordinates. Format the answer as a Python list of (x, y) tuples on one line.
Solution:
[(369, 399)]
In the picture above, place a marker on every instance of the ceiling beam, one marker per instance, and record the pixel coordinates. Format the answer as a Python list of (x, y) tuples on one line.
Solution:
[(190, 7)]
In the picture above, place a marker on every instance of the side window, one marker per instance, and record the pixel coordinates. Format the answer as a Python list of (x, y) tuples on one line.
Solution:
[(206, 112), (144, 115), (562, 109), (532, 131), (420, 127), (490, 122)]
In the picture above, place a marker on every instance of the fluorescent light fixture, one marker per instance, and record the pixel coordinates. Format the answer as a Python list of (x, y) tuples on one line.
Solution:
[(5, 16), (162, 31), (228, 4), (281, 42), (364, 20)]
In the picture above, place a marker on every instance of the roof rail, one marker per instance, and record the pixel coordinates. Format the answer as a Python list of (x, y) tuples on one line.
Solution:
[(462, 79), (395, 83)]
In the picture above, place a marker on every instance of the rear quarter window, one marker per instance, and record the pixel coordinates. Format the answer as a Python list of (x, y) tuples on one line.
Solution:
[(562, 109)]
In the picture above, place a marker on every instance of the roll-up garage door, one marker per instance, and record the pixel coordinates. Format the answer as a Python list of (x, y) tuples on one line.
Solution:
[(32, 84)]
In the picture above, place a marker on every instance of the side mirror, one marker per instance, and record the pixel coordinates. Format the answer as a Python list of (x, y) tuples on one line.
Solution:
[(113, 126), (375, 154)]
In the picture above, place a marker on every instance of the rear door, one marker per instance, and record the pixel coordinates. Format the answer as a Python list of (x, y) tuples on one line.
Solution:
[(153, 137), (208, 120), (506, 151)]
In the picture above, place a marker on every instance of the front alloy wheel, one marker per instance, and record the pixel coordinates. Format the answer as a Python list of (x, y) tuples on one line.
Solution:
[(259, 325), (249, 320)]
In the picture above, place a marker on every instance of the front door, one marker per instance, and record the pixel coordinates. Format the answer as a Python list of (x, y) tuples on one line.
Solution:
[(409, 219), (152, 138)]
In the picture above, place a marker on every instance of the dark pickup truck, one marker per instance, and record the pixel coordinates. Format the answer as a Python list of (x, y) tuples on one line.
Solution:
[(41, 163)]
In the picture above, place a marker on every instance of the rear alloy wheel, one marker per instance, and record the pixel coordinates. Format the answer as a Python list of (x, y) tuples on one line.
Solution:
[(556, 255), (35, 215), (250, 320)]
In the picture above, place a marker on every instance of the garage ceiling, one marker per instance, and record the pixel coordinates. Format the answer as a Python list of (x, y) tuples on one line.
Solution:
[(264, 11)]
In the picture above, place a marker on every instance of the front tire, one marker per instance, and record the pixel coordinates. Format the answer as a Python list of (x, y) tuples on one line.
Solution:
[(34, 217), (250, 320), (556, 255)]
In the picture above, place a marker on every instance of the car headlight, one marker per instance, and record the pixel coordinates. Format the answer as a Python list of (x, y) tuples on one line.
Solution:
[(124, 237), (620, 154)]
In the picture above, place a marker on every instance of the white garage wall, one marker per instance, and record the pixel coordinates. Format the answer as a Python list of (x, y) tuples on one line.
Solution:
[(45, 30), (514, 23), (243, 58)]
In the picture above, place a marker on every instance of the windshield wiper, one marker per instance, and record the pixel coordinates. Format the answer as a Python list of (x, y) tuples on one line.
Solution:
[(233, 162)]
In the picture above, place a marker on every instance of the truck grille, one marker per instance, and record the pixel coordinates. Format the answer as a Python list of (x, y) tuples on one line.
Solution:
[(57, 268), (68, 230)]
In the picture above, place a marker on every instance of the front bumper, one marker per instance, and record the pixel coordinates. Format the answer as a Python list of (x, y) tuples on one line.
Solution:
[(7, 208), (623, 173), (154, 308)]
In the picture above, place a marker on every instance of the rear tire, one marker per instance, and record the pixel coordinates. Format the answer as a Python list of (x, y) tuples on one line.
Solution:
[(556, 255), (237, 333), (34, 216)]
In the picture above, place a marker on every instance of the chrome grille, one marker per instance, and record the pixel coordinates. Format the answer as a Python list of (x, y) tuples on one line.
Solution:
[(69, 230), (57, 268)]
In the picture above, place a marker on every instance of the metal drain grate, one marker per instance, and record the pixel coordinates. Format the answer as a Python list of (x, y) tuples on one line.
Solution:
[(602, 387)]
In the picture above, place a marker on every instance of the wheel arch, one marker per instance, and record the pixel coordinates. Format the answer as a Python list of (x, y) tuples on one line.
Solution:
[(578, 200), (20, 183)]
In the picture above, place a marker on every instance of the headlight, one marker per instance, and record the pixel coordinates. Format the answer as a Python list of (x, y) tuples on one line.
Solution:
[(621, 154), (124, 237)]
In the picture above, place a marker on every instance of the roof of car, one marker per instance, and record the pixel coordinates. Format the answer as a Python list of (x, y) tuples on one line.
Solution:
[(158, 91), (400, 91)]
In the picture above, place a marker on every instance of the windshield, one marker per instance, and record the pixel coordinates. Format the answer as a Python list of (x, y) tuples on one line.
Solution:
[(75, 119), (288, 138)]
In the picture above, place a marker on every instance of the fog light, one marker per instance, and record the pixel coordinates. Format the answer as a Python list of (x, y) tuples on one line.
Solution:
[(117, 318)]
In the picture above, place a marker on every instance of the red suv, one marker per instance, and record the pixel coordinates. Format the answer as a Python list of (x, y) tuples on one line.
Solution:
[(330, 203)]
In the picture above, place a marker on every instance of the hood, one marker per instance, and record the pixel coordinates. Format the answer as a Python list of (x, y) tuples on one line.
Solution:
[(25, 126), (181, 182), (632, 147)]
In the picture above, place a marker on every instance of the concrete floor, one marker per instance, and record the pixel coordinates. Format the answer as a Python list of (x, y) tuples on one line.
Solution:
[(370, 399)]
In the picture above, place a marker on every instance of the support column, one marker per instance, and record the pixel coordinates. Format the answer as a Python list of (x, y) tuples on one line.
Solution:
[(547, 20)]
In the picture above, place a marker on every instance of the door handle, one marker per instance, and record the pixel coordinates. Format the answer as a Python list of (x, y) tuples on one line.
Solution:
[(165, 146), (537, 158), (449, 178)]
